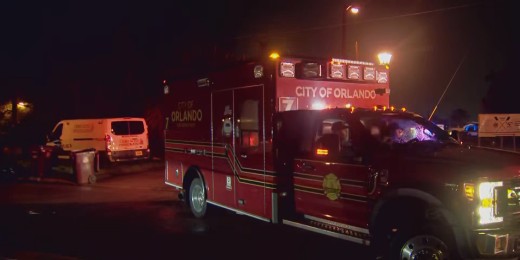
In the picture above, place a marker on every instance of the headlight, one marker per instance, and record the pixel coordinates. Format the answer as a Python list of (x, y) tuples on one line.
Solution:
[(487, 206), (486, 196)]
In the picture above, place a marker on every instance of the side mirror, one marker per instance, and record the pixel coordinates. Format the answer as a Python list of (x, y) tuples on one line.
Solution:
[(51, 138), (455, 134)]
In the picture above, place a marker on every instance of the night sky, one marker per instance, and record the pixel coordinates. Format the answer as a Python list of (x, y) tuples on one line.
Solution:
[(108, 58)]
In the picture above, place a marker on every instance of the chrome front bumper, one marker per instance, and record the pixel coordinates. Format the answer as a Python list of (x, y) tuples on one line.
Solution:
[(499, 244)]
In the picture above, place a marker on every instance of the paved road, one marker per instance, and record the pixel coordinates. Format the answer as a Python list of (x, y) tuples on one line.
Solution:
[(130, 213)]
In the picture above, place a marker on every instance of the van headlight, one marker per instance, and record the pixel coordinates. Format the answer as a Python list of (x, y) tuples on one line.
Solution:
[(487, 200)]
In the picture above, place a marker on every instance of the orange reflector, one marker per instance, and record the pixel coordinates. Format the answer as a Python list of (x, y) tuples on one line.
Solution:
[(469, 190), (322, 152)]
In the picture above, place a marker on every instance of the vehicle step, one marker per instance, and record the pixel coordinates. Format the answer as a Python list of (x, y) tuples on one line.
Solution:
[(330, 228)]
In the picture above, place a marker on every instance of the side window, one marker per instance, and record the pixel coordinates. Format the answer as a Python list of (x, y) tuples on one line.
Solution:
[(295, 134), (248, 125), (333, 139)]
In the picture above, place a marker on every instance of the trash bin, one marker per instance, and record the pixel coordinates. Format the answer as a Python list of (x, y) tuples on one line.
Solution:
[(41, 157), (84, 167)]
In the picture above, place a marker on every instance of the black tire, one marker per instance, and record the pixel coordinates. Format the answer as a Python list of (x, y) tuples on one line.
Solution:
[(197, 198)]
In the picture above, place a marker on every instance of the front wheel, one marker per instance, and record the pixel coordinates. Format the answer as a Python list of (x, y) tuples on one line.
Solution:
[(424, 244), (424, 247), (197, 198)]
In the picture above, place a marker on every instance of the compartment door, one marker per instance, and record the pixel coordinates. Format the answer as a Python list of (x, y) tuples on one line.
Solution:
[(250, 148)]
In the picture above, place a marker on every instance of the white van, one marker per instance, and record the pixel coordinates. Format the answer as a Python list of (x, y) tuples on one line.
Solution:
[(115, 139)]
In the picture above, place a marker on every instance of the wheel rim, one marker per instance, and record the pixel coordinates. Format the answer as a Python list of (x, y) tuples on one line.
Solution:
[(424, 247), (197, 198)]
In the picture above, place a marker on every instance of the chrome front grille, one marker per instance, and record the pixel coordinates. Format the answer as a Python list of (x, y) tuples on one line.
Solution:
[(509, 202)]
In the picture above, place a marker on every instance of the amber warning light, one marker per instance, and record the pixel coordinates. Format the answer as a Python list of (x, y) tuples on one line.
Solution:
[(322, 152)]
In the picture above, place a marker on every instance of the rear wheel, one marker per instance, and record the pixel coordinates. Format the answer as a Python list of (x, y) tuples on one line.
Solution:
[(197, 198)]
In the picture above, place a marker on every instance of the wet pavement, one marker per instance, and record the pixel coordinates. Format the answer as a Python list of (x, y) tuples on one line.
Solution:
[(129, 213)]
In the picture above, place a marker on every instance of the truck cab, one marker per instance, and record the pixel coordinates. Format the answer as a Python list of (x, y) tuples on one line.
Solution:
[(394, 180)]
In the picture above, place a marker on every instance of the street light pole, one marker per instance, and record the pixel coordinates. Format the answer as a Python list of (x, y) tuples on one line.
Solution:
[(343, 28), (357, 51), (354, 10)]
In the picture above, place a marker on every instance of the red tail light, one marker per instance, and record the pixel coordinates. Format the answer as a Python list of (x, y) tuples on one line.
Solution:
[(108, 142)]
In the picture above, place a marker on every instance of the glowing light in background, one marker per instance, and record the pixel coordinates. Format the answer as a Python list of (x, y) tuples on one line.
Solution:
[(318, 105), (384, 58)]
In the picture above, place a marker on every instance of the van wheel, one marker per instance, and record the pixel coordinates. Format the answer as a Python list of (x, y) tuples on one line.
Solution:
[(97, 163), (197, 198), (92, 179)]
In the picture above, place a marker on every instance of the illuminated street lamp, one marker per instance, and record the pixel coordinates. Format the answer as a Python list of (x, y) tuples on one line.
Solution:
[(22, 105), (349, 9), (384, 59)]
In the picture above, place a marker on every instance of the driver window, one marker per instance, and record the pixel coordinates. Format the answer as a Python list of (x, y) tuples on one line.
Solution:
[(333, 139)]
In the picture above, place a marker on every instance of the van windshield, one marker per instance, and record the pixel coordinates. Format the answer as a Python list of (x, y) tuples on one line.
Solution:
[(127, 127)]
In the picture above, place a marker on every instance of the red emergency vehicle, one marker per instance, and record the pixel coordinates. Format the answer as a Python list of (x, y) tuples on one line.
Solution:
[(291, 141), (219, 127)]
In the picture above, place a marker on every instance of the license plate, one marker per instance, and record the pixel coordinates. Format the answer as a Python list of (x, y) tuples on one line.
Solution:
[(138, 153)]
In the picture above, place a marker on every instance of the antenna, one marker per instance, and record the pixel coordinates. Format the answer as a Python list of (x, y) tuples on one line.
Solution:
[(449, 83)]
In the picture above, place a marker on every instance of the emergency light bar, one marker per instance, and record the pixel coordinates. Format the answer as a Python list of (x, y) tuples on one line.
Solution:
[(337, 71), (344, 61), (203, 82), (369, 73), (340, 69), (311, 70), (382, 77), (354, 72), (385, 108), (287, 69), (258, 71)]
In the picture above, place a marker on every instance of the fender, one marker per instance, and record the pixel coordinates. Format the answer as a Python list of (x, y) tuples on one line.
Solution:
[(428, 199), (420, 195), (191, 173)]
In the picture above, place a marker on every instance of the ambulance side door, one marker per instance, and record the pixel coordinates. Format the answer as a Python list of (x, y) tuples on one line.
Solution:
[(250, 149)]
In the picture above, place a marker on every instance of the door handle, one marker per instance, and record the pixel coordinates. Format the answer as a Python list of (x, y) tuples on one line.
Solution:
[(372, 182), (243, 156)]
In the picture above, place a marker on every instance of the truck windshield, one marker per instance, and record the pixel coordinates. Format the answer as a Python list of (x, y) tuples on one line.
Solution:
[(393, 128)]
